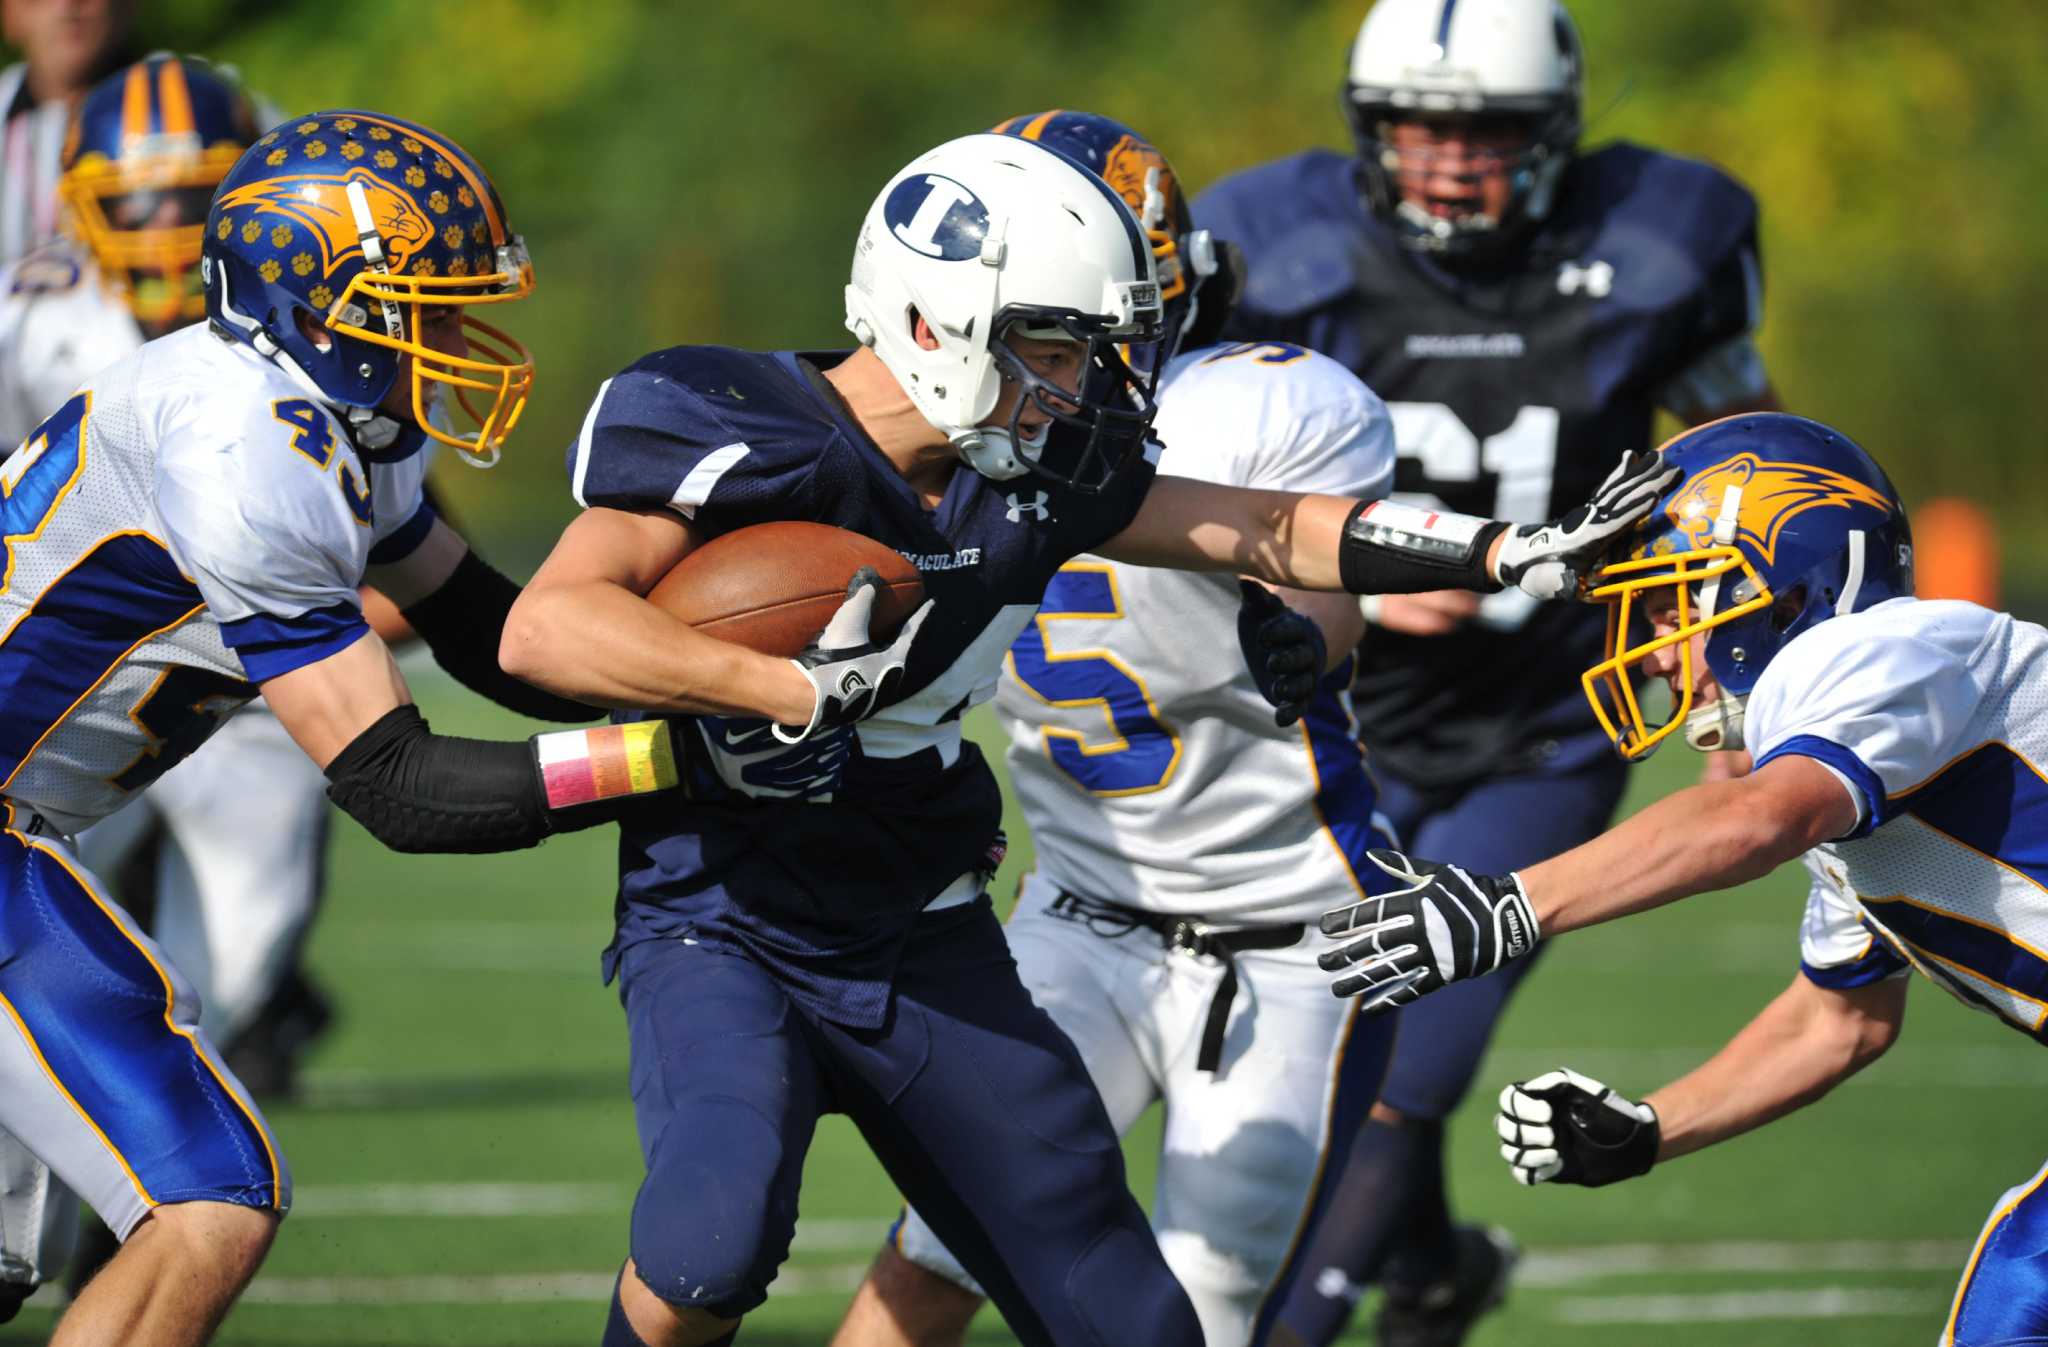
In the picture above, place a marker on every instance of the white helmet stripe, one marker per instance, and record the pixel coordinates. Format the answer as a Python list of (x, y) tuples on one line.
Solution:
[(1853, 584)]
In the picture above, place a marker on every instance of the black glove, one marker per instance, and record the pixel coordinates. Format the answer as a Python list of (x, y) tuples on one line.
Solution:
[(1447, 925), (1563, 1127), (1545, 560), (853, 676), (1283, 649)]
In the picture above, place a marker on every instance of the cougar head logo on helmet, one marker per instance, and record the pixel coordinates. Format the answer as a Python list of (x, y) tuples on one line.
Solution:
[(1776, 524), (1771, 496), (361, 222), (320, 202)]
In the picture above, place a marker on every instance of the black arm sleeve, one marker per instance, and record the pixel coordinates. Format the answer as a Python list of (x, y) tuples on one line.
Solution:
[(420, 791), (462, 623), (1375, 561)]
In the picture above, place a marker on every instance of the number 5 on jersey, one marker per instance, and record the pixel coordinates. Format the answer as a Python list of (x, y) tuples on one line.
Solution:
[(1143, 750), (313, 436)]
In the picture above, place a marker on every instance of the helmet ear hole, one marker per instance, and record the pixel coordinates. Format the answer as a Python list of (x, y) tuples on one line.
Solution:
[(1787, 607)]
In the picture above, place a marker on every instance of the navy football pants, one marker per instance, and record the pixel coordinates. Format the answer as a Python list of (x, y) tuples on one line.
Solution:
[(974, 1101), (1493, 826)]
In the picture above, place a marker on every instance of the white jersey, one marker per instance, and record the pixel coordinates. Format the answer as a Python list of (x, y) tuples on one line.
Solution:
[(1935, 715), (187, 525), (1147, 762), (58, 325)]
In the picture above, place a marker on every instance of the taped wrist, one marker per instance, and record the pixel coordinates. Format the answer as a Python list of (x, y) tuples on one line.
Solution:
[(1390, 548), (420, 791), (463, 621)]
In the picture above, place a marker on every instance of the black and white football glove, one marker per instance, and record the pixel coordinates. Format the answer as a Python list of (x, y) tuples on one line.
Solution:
[(853, 676), (1283, 649), (1563, 1127), (1447, 925), (1545, 560)]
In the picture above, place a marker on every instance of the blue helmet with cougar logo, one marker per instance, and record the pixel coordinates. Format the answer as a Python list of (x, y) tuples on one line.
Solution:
[(1198, 276), (363, 222), (1777, 523)]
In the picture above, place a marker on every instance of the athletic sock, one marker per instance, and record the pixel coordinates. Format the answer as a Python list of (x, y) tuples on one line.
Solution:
[(1366, 1220), (617, 1331), (1426, 1250)]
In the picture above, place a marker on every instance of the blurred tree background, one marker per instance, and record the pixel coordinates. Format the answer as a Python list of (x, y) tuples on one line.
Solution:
[(696, 172)]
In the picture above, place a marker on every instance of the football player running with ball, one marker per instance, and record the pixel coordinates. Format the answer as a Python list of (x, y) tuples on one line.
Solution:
[(810, 932), (185, 531), (1525, 309), (1185, 841), (1901, 751)]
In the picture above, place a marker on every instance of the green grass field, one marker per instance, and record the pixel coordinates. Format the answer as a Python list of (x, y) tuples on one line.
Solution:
[(465, 1160)]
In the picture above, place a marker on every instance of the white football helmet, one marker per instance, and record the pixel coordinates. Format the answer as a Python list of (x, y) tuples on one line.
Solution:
[(988, 236), (1418, 59)]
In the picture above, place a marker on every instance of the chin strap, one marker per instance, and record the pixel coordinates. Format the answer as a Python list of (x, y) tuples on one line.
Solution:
[(990, 452), (1717, 726)]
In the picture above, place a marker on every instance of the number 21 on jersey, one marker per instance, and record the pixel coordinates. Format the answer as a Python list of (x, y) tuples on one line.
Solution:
[(1142, 750)]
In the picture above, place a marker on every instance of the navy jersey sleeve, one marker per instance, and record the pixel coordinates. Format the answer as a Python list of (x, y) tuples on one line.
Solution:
[(651, 441)]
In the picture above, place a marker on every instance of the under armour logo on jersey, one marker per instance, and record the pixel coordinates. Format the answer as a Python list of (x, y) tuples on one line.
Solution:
[(937, 217), (1596, 279), (1035, 507)]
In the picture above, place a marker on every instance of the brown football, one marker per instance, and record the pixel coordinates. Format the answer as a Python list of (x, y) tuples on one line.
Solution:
[(773, 587)]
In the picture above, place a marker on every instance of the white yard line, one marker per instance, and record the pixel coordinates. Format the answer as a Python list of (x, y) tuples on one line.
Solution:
[(1822, 1302), (1576, 1265)]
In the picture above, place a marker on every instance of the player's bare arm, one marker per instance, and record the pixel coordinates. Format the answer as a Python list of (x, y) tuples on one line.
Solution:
[(1808, 1040), (1710, 836), (1565, 1127), (1380, 547), (584, 629), (1451, 923)]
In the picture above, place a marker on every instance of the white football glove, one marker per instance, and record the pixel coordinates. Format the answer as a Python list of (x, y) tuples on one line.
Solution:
[(853, 677), (1545, 560), (1563, 1127)]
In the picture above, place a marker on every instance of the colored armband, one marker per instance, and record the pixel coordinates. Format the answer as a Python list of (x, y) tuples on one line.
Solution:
[(610, 762), (1390, 548)]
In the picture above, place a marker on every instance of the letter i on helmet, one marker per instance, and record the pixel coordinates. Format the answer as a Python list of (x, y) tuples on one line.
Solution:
[(142, 156), (365, 221), (991, 237)]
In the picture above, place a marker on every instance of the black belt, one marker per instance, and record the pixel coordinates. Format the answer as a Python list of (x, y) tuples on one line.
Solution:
[(1184, 933)]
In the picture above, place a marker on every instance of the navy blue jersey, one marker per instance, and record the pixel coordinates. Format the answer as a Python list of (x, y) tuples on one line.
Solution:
[(1513, 392), (815, 858)]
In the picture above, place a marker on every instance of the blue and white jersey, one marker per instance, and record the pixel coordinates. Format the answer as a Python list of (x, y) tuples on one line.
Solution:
[(59, 323), (1935, 716), (816, 857), (1147, 762), (1513, 389), (185, 526)]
